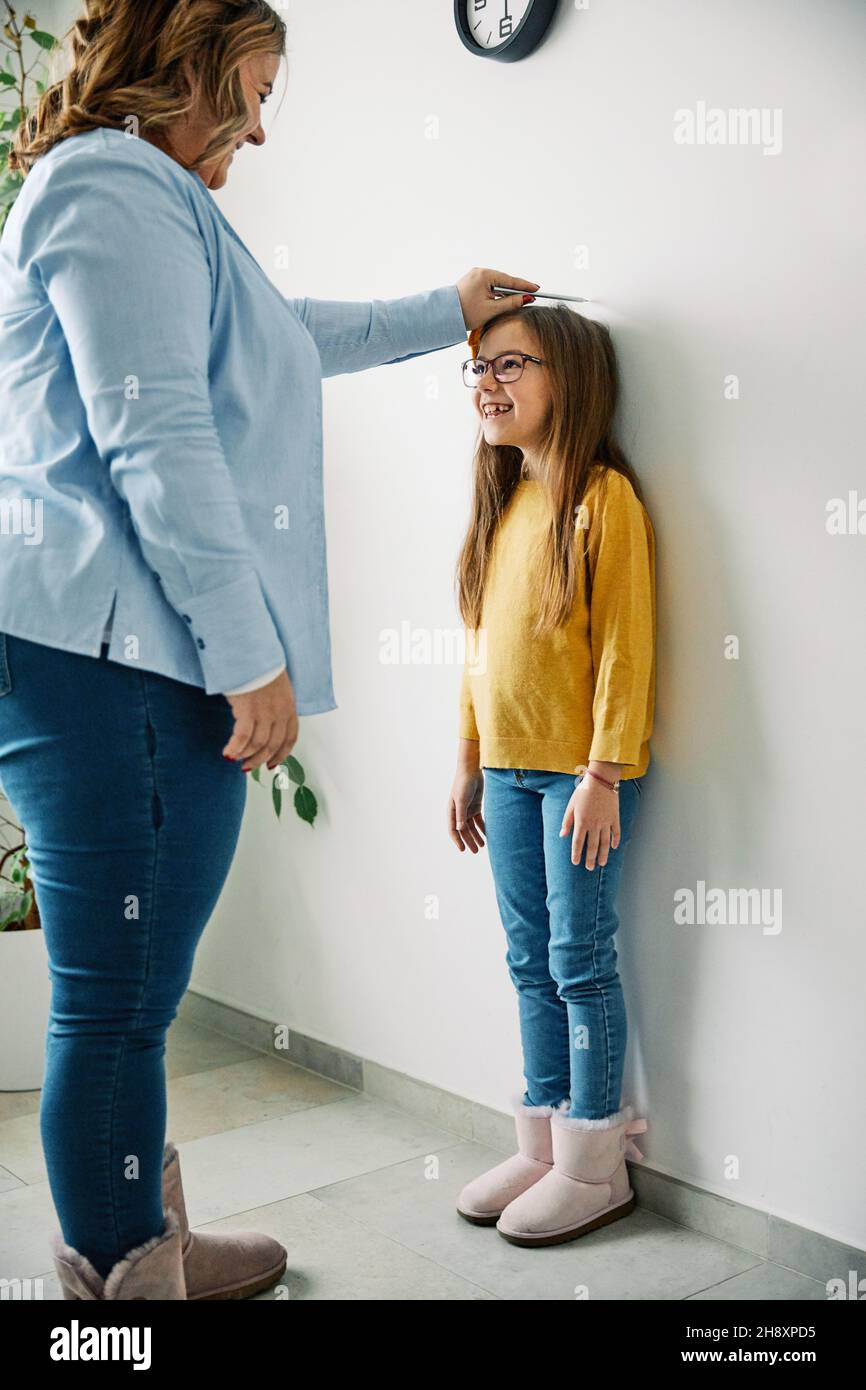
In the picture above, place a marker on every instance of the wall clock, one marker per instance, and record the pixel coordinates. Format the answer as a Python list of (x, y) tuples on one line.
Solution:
[(503, 29)]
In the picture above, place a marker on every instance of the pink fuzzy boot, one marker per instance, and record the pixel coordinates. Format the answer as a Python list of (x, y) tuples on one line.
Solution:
[(587, 1186), (483, 1200)]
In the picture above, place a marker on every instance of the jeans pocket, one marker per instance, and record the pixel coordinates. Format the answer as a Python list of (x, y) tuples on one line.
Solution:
[(637, 782), (5, 675)]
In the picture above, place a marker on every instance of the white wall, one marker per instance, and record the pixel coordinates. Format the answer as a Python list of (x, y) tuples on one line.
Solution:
[(707, 261)]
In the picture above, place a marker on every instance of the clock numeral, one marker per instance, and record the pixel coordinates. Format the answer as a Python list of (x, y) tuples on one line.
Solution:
[(480, 5), (506, 24)]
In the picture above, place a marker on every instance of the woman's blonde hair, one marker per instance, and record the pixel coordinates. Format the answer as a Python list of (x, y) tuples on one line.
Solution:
[(128, 61), (578, 434)]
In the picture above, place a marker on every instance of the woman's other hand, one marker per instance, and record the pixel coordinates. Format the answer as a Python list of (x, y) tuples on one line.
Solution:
[(465, 821), (593, 812), (478, 300), (266, 724)]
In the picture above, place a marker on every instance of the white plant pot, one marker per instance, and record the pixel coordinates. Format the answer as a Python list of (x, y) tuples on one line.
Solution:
[(25, 997)]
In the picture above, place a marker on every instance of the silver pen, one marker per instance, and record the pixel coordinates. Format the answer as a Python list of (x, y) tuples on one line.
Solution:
[(542, 294)]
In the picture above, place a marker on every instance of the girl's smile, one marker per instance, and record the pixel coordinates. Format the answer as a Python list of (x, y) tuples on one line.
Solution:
[(512, 413)]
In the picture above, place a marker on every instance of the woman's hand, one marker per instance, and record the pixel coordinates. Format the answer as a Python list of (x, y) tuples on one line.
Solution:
[(593, 811), (266, 724), (465, 821), (478, 300)]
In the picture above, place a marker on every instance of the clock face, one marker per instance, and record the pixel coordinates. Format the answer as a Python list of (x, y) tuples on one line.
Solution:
[(492, 22)]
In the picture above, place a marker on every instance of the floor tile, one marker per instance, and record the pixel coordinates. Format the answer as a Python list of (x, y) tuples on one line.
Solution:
[(243, 1093), (333, 1257), (765, 1282), (237, 1171), (191, 1048), (643, 1256)]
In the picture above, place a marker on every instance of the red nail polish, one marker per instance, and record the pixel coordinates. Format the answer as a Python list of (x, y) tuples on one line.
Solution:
[(528, 298)]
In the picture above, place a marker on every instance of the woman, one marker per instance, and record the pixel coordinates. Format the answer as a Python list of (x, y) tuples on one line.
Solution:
[(558, 572), (163, 599)]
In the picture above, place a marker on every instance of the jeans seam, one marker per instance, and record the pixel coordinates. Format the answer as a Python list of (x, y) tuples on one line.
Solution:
[(598, 898), (111, 1176)]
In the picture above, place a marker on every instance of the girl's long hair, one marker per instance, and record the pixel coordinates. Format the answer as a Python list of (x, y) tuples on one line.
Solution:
[(583, 381), (127, 62)]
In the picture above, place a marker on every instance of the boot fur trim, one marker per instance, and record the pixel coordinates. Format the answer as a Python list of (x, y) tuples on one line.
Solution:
[(118, 1273)]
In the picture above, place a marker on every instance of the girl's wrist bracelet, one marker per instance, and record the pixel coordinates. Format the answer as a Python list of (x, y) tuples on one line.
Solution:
[(614, 786)]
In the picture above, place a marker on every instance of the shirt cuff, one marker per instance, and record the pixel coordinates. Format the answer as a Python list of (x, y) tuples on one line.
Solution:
[(257, 684), (234, 632), (426, 322)]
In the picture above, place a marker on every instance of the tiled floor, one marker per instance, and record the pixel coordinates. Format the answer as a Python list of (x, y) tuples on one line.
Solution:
[(362, 1196)]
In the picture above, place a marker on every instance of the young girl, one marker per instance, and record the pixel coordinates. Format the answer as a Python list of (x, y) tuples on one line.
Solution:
[(556, 587)]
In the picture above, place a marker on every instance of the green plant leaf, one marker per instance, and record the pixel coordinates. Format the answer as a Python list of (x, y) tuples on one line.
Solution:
[(44, 40), (306, 805), (294, 769), (256, 774), (8, 79), (19, 911), (277, 794)]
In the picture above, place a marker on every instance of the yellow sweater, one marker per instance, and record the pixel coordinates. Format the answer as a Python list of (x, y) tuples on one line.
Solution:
[(586, 690)]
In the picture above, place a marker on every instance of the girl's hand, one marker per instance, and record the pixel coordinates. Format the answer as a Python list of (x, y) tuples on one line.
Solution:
[(465, 821), (594, 812), (266, 724), (478, 301)]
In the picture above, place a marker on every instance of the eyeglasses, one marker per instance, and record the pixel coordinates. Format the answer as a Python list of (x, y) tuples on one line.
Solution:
[(508, 366)]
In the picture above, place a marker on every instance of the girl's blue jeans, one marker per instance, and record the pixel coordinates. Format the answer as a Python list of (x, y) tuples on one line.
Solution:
[(559, 920), (131, 817)]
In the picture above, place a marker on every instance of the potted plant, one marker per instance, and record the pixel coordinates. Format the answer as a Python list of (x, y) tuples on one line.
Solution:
[(27, 47), (25, 985)]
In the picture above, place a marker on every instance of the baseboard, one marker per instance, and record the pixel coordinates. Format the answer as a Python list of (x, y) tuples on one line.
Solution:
[(761, 1233)]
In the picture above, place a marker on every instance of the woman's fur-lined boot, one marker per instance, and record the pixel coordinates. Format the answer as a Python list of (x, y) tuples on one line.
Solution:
[(150, 1272), (219, 1264)]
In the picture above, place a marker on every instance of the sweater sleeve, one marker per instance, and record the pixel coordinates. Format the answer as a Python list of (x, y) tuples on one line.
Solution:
[(622, 623), (468, 726)]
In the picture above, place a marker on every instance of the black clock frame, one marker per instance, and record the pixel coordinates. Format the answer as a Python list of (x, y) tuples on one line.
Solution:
[(524, 39)]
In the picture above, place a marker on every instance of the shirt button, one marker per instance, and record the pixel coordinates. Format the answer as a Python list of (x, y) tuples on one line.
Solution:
[(187, 617), (157, 576), (200, 643)]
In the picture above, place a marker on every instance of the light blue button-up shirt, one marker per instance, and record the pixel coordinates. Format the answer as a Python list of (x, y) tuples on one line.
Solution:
[(161, 424)]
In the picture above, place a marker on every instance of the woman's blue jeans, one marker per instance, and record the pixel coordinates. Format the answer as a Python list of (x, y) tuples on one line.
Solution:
[(131, 817), (559, 920)]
